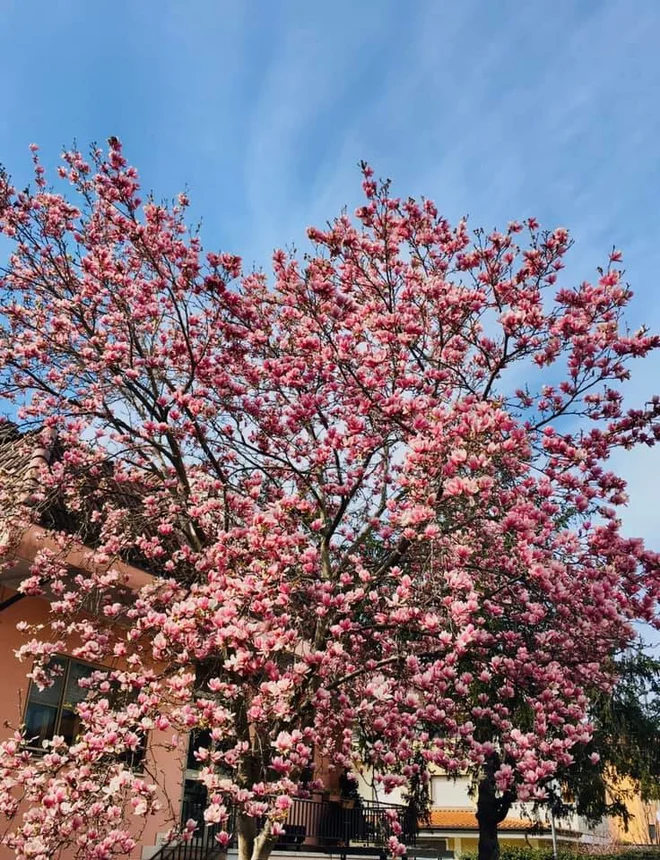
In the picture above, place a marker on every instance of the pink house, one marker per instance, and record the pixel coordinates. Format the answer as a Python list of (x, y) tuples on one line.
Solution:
[(52, 711)]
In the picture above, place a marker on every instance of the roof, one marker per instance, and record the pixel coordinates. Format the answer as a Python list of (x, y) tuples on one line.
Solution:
[(24, 453), (446, 820), (20, 457), (465, 819)]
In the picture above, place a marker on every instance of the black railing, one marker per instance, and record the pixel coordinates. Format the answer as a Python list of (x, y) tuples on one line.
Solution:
[(364, 823), (318, 825), (202, 844)]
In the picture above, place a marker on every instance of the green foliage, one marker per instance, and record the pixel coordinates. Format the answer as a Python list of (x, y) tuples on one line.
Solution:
[(525, 852), (627, 739), (509, 852)]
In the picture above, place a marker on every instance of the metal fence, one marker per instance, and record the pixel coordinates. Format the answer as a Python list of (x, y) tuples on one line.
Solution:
[(319, 825)]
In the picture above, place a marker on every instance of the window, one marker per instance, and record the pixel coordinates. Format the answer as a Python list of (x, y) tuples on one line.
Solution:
[(52, 711), (198, 738), (195, 800)]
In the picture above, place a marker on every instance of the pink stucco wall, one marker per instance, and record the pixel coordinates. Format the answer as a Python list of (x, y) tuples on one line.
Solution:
[(13, 693)]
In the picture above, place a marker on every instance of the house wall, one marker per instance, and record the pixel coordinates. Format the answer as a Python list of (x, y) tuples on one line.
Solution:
[(459, 843), (449, 793), (369, 790), (13, 695), (644, 825)]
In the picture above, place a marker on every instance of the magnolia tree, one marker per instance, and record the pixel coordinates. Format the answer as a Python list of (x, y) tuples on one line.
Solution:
[(372, 490)]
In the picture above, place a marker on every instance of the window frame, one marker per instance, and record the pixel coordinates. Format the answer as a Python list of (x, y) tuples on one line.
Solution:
[(35, 745)]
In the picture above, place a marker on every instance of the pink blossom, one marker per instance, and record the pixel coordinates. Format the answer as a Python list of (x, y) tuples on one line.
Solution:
[(310, 513)]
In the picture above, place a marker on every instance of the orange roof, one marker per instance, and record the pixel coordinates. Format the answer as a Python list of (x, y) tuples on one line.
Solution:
[(465, 819)]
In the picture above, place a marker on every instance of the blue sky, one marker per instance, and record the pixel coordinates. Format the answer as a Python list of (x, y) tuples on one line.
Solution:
[(263, 110)]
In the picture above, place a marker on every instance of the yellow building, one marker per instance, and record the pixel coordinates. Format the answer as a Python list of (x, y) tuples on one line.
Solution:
[(644, 826)]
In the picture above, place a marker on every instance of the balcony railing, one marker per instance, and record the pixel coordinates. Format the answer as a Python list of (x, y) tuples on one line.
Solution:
[(312, 825)]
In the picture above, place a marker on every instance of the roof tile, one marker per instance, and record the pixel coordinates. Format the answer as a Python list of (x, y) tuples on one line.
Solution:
[(465, 819)]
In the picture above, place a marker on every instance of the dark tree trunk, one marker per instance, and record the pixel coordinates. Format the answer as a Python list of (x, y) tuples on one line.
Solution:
[(492, 808), (489, 845)]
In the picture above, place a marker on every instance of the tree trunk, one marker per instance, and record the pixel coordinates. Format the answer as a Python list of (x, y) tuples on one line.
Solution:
[(489, 845), (264, 843), (252, 843), (247, 830), (491, 810)]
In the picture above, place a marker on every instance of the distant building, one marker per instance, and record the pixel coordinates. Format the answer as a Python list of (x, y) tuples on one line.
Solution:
[(452, 827)]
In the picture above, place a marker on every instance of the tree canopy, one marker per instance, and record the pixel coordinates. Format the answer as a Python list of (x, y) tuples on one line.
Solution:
[(372, 488)]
